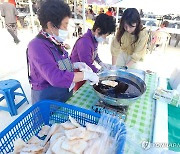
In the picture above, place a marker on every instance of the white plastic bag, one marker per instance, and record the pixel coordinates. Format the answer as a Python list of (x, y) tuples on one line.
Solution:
[(175, 78)]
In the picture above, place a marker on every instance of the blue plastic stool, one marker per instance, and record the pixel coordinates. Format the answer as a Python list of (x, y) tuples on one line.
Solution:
[(7, 89)]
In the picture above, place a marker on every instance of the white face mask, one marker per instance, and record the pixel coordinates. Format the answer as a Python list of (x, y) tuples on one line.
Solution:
[(99, 39), (62, 35)]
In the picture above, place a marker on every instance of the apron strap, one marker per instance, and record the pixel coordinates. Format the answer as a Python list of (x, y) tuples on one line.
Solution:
[(57, 59), (53, 52)]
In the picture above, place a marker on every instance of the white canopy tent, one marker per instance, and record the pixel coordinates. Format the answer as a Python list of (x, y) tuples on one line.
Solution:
[(156, 6), (160, 7)]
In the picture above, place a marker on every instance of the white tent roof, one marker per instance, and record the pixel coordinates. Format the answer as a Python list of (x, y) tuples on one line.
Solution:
[(159, 6)]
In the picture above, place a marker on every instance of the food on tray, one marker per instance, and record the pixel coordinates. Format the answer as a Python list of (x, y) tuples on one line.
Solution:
[(95, 128), (110, 83), (76, 146), (57, 149), (34, 140), (97, 146), (90, 135), (74, 122), (18, 145), (69, 138), (44, 131), (55, 137), (76, 133), (68, 125), (50, 133), (32, 149)]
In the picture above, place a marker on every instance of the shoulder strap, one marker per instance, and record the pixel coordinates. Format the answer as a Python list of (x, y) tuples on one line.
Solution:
[(27, 60), (28, 66)]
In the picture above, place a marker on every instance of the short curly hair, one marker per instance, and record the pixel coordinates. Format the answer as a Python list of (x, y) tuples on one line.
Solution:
[(105, 23), (54, 11)]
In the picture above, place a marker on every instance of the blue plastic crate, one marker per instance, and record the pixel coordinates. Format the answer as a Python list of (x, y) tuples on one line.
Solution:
[(47, 113)]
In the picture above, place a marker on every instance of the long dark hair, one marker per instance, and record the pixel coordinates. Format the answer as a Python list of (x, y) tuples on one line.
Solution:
[(130, 16)]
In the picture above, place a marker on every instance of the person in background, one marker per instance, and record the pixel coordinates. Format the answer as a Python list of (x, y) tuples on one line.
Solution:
[(90, 6), (12, 2), (2, 24), (9, 12), (154, 41), (79, 11), (34, 7), (109, 12), (177, 40), (113, 12), (90, 15), (85, 48), (71, 5), (163, 26), (141, 13), (121, 11), (51, 73), (0, 6), (129, 45), (101, 10)]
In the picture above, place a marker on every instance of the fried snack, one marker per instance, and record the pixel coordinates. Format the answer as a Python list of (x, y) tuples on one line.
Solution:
[(110, 83)]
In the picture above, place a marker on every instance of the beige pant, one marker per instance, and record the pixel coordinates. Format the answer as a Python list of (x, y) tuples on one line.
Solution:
[(124, 58)]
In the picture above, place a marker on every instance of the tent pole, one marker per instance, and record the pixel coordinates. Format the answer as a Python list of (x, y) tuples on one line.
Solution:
[(75, 11), (84, 17), (117, 15), (32, 19)]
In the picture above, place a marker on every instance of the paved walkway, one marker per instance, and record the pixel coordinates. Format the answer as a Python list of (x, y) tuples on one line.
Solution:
[(13, 64)]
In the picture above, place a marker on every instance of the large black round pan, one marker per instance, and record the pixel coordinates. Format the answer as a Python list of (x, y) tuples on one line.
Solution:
[(129, 88)]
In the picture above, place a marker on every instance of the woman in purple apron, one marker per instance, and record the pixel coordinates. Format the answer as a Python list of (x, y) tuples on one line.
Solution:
[(85, 48), (51, 73)]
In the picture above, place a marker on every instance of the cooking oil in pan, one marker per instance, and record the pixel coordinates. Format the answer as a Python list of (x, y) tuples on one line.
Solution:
[(125, 89)]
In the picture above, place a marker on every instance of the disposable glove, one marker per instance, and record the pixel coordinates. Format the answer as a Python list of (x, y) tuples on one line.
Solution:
[(113, 67), (71, 86), (92, 77), (105, 66), (82, 67)]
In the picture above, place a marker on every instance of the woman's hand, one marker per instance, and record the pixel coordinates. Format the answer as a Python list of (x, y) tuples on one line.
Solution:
[(105, 66), (92, 77), (130, 63), (83, 67), (114, 59)]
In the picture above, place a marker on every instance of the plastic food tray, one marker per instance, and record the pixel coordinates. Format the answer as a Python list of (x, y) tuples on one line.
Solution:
[(48, 112)]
